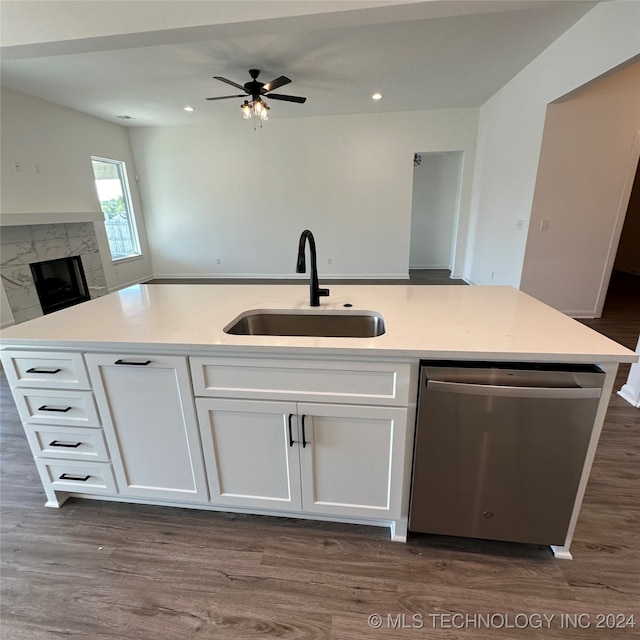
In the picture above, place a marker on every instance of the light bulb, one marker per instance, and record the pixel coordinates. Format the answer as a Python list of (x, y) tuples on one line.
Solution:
[(257, 107), (246, 110)]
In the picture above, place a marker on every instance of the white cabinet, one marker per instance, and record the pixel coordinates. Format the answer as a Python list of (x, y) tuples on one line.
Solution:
[(45, 369), (249, 456), (324, 438), (54, 399), (150, 425), (336, 460), (351, 459), (275, 439), (311, 380), (67, 442), (73, 476), (55, 406)]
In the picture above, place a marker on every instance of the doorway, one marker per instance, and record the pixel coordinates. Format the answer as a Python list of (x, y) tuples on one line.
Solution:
[(626, 263), (624, 257), (434, 211)]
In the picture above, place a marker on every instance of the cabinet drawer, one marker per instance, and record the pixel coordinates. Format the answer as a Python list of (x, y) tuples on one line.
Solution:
[(67, 443), (43, 369), (377, 383), (64, 408), (77, 476)]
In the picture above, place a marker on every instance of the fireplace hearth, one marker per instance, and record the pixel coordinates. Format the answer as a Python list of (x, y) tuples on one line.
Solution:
[(60, 283)]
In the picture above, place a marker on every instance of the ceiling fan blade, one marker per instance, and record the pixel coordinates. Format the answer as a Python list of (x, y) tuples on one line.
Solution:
[(275, 84), (279, 96), (242, 95), (231, 82)]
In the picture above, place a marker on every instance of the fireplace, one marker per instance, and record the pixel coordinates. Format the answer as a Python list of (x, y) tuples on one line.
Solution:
[(60, 283)]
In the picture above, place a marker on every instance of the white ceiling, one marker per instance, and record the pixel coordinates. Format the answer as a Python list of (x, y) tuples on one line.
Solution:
[(420, 55)]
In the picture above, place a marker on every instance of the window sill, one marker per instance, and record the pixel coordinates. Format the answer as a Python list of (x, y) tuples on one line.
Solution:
[(138, 256)]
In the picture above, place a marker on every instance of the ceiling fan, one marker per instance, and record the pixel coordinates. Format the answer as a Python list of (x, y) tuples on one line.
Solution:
[(256, 90)]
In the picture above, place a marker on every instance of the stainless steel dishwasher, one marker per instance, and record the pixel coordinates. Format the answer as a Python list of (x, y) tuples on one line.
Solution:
[(500, 448)]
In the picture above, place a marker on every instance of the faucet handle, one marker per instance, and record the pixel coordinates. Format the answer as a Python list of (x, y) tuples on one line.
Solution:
[(323, 292)]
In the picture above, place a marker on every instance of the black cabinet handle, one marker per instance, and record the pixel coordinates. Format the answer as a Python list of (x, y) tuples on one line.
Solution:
[(291, 440), (70, 445), (44, 407), (304, 438), (66, 476), (48, 371), (133, 362)]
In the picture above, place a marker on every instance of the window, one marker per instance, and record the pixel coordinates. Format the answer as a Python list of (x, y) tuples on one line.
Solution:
[(115, 201)]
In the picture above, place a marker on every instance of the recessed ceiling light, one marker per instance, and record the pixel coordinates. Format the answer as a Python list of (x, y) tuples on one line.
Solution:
[(376, 96), (189, 109)]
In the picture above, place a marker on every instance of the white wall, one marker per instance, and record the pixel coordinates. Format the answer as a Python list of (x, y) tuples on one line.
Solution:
[(510, 135), (53, 146), (227, 192), (586, 150), (433, 211)]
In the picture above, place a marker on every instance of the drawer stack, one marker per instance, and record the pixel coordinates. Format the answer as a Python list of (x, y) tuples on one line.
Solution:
[(53, 395)]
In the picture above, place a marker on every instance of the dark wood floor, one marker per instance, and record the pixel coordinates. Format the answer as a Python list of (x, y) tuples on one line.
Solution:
[(96, 570), (416, 276)]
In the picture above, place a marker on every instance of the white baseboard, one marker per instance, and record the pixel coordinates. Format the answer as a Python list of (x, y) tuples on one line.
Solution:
[(124, 285), (581, 314)]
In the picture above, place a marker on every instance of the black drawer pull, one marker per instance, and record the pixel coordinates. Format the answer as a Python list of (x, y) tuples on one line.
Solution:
[(58, 409), (70, 445), (48, 371), (304, 438), (133, 363), (291, 440), (66, 476)]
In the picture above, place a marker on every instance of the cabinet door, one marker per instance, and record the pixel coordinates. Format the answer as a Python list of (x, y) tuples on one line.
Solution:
[(251, 453), (150, 425), (352, 459)]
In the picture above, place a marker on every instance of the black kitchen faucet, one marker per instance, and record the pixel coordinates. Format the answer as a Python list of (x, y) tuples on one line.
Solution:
[(315, 292)]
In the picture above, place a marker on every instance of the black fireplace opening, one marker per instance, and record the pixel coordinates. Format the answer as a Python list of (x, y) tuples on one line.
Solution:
[(60, 283)]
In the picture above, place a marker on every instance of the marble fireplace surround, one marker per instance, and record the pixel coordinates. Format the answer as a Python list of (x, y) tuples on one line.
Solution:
[(28, 238)]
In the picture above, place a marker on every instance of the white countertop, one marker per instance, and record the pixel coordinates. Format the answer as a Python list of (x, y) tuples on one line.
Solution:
[(495, 323)]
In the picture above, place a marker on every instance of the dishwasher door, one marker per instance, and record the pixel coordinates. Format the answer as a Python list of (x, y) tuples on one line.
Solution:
[(499, 451)]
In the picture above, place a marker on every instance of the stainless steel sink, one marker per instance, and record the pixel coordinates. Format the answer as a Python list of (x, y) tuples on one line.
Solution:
[(327, 324)]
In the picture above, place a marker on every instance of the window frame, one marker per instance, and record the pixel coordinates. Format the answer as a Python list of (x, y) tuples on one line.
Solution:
[(121, 168)]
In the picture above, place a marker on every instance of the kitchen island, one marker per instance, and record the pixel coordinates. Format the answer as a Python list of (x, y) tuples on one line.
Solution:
[(141, 396)]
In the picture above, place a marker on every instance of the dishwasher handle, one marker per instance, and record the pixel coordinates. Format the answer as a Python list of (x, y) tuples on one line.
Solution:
[(559, 393)]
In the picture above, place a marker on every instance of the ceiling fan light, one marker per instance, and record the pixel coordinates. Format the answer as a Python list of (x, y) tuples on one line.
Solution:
[(254, 107), (246, 110)]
